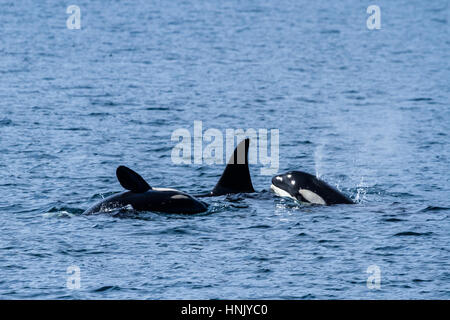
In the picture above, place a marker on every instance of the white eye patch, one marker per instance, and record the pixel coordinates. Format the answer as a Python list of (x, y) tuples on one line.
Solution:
[(311, 197)]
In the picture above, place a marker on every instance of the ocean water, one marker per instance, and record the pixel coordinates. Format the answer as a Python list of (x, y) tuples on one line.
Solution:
[(366, 110)]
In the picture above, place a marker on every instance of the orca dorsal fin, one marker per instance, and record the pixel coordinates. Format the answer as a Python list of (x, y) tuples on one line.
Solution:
[(236, 176), (130, 180)]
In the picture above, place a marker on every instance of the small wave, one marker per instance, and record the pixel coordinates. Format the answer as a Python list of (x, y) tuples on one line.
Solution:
[(264, 270), (104, 103), (158, 108), (82, 87), (401, 194), (175, 231), (434, 208), (421, 280), (393, 220), (107, 288), (239, 205), (443, 21), (74, 129), (399, 52), (237, 197), (413, 234), (59, 214), (259, 226), (5, 122), (99, 114), (325, 241), (63, 212), (388, 248), (307, 100), (296, 69), (420, 99), (330, 31)]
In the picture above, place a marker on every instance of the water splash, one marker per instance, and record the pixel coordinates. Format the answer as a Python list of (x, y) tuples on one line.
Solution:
[(361, 190), (318, 160)]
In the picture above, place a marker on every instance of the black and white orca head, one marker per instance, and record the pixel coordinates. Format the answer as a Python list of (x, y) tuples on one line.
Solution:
[(298, 186)]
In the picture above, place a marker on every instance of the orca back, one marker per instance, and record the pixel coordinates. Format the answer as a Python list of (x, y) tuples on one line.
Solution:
[(165, 201), (236, 176)]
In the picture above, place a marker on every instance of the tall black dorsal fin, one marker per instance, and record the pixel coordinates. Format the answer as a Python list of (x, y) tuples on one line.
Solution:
[(130, 180), (236, 176)]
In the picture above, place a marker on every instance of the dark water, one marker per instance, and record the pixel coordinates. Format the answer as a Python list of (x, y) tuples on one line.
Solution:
[(368, 111)]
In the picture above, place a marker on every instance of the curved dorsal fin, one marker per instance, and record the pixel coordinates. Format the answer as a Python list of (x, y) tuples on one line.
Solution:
[(236, 176), (130, 180)]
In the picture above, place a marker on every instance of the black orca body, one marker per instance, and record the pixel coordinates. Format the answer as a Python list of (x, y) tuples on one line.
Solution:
[(305, 187), (156, 200), (141, 197)]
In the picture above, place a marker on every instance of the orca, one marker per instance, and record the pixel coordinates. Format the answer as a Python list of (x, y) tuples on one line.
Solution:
[(236, 176), (305, 187), (142, 197)]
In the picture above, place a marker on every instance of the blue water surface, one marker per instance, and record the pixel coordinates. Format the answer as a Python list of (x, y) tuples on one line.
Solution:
[(366, 110)]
